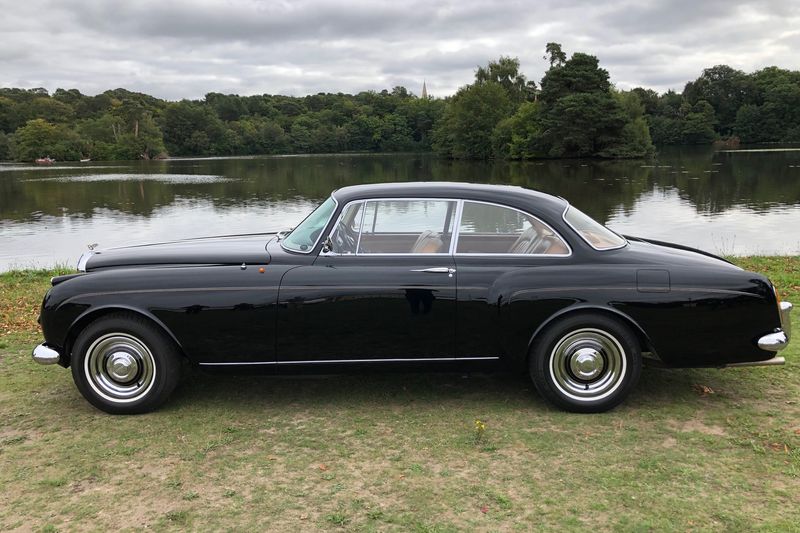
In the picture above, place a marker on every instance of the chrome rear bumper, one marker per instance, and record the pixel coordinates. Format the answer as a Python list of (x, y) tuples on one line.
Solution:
[(778, 340), (786, 319), (44, 355), (774, 341)]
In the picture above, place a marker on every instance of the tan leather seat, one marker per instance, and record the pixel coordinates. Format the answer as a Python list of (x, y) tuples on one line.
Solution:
[(428, 242), (557, 248), (524, 242)]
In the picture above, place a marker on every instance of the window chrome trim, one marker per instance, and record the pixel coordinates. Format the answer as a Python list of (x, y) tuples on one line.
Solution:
[(456, 227), (507, 254), (455, 233), (360, 224), (339, 220), (584, 239), (391, 199), (321, 233)]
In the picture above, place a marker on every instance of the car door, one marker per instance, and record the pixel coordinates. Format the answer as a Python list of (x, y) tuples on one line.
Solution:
[(383, 288), (503, 256)]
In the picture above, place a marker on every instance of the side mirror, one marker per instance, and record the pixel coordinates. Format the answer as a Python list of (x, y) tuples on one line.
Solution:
[(327, 246)]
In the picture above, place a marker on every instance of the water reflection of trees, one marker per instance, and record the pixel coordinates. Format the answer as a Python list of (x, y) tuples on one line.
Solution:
[(713, 182)]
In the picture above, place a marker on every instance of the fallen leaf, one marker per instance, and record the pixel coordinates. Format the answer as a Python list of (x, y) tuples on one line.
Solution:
[(702, 390), (323, 467)]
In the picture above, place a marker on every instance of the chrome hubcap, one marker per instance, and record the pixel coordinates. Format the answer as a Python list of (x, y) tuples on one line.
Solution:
[(587, 364), (120, 367)]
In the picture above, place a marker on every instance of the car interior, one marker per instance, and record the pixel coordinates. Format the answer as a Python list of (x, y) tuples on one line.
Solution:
[(526, 235)]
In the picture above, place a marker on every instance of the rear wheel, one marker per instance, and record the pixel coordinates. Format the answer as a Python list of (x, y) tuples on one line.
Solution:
[(124, 364), (586, 363)]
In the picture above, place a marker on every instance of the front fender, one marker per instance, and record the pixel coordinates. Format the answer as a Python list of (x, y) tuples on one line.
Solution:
[(94, 312)]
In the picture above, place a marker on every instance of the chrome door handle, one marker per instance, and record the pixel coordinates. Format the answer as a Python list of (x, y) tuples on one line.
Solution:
[(436, 270)]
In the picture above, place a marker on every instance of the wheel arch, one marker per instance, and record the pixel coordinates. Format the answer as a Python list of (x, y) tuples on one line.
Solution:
[(94, 313), (645, 343)]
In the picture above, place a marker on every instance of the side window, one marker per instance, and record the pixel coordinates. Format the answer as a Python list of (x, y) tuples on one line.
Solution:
[(344, 238), (407, 226), (494, 229)]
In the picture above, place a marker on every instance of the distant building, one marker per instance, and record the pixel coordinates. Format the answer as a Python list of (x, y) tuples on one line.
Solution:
[(424, 90)]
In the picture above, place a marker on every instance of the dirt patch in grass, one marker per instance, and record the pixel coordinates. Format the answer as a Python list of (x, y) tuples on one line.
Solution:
[(698, 426)]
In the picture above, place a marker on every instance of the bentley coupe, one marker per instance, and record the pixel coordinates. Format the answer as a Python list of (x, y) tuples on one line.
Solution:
[(410, 275)]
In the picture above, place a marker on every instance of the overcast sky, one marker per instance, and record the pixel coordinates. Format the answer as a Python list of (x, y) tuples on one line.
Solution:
[(185, 49)]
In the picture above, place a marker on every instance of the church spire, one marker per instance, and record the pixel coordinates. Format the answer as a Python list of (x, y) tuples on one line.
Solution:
[(424, 90)]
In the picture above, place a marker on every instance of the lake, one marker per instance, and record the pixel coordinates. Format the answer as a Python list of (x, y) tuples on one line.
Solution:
[(728, 202)]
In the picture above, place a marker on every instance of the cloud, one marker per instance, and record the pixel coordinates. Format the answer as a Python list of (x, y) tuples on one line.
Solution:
[(185, 49)]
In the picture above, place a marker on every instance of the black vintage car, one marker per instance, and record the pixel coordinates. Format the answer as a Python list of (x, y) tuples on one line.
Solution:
[(431, 275)]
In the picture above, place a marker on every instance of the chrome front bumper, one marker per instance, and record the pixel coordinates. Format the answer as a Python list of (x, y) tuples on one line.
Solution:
[(44, 355), (779, 339)]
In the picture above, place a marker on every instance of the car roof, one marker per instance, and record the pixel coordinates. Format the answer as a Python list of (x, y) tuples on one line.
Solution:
[(507, 194)]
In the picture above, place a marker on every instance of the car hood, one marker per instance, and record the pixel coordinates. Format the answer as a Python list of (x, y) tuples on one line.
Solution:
[(667, 253), (226, 250)]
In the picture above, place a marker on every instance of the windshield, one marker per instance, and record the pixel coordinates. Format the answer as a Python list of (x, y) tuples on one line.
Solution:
[(305, 235), (598, 236)]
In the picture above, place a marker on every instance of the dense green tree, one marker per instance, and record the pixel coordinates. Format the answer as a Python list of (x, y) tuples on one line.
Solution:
[(228, 107), (465, 129), (394, 134), (5, 146), (505, 72), (698, 126), (649, 99), (775, 114), (193, 129), (582, 124), (10, 118), (575, 113), (580, 74), (555, 54), (145, 141), (520, 136), (302, 132), (726, 89), (581, 116), (635, 139), (39, 138)]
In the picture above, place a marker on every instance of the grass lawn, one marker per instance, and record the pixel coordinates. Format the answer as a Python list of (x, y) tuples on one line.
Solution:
[(690, 450)]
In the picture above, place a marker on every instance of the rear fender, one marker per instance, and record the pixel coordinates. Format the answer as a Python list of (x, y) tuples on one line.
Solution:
[(644, 339)]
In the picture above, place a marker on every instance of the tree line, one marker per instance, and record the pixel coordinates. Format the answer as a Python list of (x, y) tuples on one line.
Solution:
[(574, 111)]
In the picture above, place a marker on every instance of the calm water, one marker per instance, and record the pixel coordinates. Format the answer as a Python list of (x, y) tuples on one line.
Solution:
[(740, 202)]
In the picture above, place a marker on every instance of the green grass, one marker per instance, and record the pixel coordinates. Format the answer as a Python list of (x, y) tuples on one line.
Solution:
[(696, 450)]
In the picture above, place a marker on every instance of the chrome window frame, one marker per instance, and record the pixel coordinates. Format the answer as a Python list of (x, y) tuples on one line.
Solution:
[(339, 220), (401, 254), (321, 233), (584, 239), (507, 254), (455, 233)]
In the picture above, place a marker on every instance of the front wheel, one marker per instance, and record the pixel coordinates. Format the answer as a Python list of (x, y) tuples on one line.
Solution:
[(124, 364), (586, 363)]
